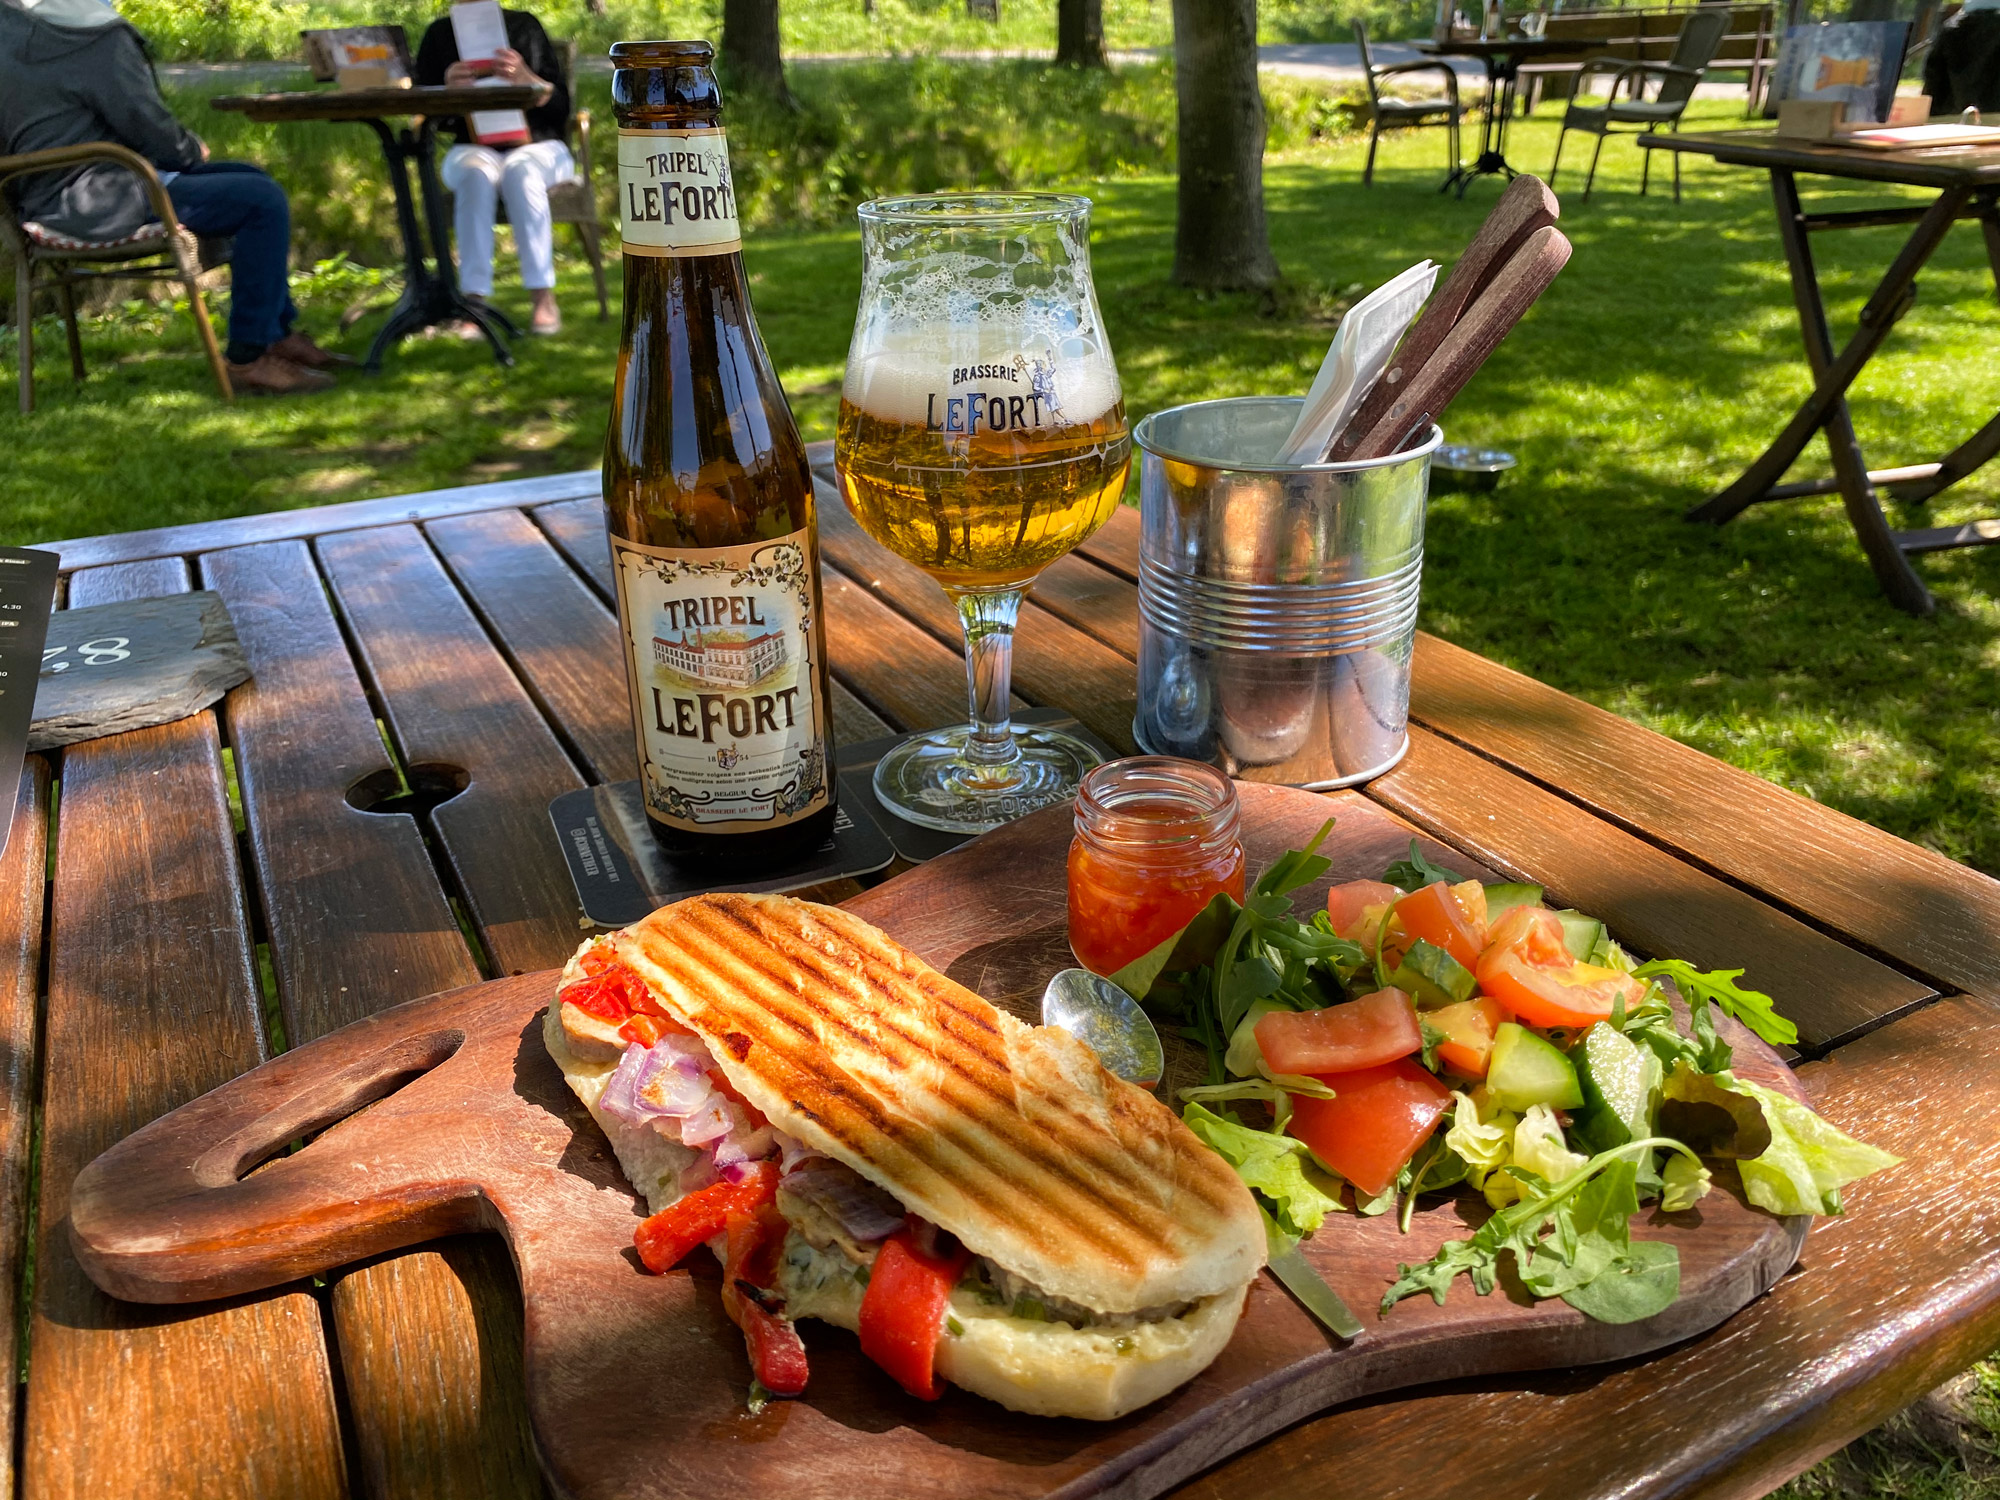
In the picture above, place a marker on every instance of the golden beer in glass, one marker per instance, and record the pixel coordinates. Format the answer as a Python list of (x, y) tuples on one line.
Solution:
[(982, 436)]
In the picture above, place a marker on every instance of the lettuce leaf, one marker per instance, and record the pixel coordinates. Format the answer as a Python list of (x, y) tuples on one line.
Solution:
[(1791, 1161), (1272, 1166)]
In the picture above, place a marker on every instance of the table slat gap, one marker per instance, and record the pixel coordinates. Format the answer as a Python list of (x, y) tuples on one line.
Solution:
[(429, 1342), (24, 897), (452, 700), (576, 527), (227, 1400)]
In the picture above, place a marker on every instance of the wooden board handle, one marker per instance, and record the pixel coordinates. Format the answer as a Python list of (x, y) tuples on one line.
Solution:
[(213, 1178)]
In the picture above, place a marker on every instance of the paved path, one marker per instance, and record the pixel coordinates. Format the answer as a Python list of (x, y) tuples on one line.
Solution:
[(1325, 62)]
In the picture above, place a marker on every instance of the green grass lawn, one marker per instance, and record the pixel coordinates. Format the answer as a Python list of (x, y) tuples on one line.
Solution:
[(1657, 367)]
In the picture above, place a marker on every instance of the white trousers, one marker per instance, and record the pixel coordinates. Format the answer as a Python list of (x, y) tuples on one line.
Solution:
[(478, 177)]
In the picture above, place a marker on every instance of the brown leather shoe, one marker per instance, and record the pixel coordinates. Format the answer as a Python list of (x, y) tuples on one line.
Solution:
[(301, 350), (271, 374)]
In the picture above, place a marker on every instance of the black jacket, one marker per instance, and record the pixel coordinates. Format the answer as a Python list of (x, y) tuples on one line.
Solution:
[(60, 86), (1964, 65), (546, 122)]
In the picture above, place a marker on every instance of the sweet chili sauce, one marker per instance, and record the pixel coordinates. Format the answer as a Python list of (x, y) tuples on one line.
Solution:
[(1156, 839)]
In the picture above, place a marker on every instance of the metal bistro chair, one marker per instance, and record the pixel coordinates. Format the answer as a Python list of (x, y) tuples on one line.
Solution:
[(1701, 34), (160, 251), (1408, 112)]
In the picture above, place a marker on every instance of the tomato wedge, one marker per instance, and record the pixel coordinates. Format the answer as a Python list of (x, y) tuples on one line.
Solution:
[(903, 1310), (1356, 908), (1374, 1124), (1438, 916), (1468, 1029), (1360, 1033), (665, 1239), (1530, 971)]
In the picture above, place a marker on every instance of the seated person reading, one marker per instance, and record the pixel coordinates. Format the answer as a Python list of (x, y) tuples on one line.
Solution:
[(480, 176), (72, 72)]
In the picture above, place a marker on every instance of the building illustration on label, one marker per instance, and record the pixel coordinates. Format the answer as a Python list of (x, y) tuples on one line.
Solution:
[(722, 658)]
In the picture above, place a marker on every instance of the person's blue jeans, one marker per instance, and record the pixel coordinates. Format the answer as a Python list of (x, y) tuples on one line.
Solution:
[(237, 200)]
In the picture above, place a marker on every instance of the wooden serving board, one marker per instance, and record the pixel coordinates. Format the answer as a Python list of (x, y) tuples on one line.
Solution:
[(446, 1115)]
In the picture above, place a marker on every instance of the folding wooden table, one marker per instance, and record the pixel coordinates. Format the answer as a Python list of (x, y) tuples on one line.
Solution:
[(365, 821), (1968, 184)]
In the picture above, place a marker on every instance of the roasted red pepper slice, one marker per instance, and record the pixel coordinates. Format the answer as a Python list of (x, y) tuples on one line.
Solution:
[(612, 995), (777, 1355), (665, 1239), (642, 1028), (904, 1309)]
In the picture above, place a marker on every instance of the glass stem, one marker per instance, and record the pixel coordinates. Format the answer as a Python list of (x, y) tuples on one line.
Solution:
[(988, 617)]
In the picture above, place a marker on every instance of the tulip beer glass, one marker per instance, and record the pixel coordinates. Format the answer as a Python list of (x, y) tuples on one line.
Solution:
[(982, 436)]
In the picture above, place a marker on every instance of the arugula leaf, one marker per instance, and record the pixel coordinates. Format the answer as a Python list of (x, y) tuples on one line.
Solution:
[(1587, 1222), (1753, 1008), (1416, 872), (1273, 1166), (1643, 1281), (1296, 867), (1433, 1038)]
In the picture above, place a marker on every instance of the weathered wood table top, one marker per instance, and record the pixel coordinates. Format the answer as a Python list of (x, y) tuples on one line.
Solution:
[(202, 894)]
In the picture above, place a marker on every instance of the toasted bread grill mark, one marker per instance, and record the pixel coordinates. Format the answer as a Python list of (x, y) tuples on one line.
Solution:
[(1068, 1173), (985, 1067)]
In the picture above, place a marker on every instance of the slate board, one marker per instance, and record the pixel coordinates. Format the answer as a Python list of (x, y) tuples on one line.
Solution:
[(27, 595), (636, 1383), (131, 664)]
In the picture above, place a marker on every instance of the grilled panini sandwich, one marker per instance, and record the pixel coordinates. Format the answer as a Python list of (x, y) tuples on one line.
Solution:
[(862, 1140)]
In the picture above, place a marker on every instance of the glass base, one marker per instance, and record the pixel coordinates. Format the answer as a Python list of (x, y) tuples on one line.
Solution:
[(929, 779)]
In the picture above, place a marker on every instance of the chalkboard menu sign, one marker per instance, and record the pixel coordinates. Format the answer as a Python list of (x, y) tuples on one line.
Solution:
[(27, 593)]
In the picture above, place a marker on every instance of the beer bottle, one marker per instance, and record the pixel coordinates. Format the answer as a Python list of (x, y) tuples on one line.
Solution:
[(709, 500)]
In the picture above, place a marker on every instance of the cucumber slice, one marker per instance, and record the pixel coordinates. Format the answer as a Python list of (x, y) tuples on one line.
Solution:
[(1621, 1088), (1525, 1071), (1580, 934), (1432, 977), (1245, 1059), (1505, 897)]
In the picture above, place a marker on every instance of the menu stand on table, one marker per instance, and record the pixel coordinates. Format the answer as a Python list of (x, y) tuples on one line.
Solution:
[(430, 276), (1968, 184)]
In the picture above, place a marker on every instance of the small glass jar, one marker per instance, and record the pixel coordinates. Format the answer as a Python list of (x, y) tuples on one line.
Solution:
[(1157, 838)]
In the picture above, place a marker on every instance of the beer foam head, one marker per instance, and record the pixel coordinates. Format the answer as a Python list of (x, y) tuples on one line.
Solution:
[(906, 378)]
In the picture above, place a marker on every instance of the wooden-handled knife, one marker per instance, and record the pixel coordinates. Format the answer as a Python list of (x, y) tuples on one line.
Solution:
[(1524, 208), (1423, 395)]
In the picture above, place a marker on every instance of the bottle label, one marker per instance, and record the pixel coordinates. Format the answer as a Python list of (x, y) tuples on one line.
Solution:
[(675, 194), (720, 643)]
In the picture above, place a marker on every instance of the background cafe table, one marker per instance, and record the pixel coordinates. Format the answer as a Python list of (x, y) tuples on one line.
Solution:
[(430, 291), (1967, 184), (473, 626), (1503, 57)]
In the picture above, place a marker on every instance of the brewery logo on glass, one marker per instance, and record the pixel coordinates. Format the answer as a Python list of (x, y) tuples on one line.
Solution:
[(675, 194), (1016, 395), (721, 660)]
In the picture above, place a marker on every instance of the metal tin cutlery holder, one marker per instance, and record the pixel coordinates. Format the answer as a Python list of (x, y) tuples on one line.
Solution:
[(1277, 604)]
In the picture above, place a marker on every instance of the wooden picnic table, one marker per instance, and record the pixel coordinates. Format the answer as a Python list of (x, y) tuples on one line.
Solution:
[(244, 879), (1967, 181)]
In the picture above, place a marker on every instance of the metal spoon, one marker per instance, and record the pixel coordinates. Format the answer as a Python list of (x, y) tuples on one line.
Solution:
[(1107, 1021)]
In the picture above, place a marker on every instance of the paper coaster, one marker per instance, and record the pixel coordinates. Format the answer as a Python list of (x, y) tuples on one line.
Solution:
[(27, 591), (621, 875), (913, 841)]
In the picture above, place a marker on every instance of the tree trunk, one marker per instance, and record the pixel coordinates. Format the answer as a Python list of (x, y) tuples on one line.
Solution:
[(1220, 240), (595, 7), (750, 57), (1080, 33)]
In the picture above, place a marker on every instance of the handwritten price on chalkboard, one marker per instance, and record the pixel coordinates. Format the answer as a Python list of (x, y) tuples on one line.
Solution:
[(97, 653)]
